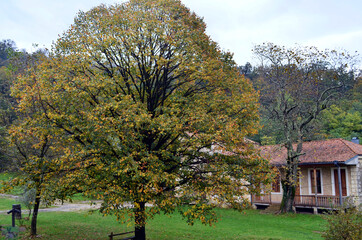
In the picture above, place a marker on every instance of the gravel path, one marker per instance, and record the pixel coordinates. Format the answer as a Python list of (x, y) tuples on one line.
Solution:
[(71, 207), (9, 196), (66, 207), (58, 207)]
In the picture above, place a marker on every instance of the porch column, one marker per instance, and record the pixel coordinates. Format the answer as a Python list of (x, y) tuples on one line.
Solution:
[(339, 183), (315, 185)]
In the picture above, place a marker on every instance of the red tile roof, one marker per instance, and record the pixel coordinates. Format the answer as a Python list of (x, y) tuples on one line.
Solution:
[(324, 151)]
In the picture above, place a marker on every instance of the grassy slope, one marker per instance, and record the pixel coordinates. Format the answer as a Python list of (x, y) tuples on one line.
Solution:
[(5, 176), (6, 203), (232, 225)]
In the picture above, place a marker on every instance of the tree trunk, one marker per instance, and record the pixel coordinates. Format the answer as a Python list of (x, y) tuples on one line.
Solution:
[(289, 185), (288, 198), (291, 176), (140, 221), (35, 215)]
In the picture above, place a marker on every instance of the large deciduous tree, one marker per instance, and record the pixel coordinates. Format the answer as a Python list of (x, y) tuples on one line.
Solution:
[(150, 111), (296, 84)]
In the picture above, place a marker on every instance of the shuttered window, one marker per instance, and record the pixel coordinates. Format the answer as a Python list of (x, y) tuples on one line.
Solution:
[(319, 182)]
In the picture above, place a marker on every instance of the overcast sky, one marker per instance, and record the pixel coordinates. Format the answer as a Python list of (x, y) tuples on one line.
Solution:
[(237, 25)]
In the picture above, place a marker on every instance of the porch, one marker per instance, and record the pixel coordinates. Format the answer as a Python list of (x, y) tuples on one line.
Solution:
[(320, 201)]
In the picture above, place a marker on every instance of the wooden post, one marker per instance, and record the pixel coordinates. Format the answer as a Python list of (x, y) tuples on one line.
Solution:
[(111, 236), (270, 199), (315, 185)]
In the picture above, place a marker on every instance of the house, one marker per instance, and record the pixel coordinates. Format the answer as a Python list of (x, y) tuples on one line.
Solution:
[(330, 174)]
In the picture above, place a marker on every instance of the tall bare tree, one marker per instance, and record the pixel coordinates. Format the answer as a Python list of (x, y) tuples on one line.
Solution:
[(296, 84)]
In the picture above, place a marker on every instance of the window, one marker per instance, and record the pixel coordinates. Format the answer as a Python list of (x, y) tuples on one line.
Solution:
[(343, 182), (276, 184), (313, 182)]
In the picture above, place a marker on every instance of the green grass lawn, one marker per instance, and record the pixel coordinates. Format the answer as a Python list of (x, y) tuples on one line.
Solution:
[(6, 203), (5, 176), (80, 198), (250, 224)]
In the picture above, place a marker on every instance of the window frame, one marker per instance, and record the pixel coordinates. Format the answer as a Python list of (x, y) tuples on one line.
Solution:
[(310, 188), (279, 184)]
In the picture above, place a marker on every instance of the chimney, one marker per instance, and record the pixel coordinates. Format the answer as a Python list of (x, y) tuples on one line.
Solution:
[(355, 140)]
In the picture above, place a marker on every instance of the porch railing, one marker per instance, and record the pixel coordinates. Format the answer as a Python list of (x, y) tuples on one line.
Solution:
[(264, 199), (326, 201)]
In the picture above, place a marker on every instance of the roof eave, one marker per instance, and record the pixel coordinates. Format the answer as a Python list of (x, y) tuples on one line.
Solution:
[(352, 161)]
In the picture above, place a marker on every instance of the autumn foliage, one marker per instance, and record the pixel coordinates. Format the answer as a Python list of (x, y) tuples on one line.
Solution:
[(146, 108)]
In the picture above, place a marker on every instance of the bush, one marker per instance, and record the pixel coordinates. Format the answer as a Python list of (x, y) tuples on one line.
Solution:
[(28, 198), (344, 225)]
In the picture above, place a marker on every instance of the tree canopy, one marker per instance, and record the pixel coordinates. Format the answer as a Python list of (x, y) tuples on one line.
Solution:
[(146, 108)]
